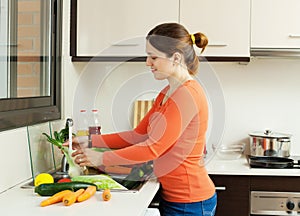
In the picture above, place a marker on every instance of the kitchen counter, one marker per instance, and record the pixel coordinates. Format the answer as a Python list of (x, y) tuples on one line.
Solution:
[(18, 201), (218, 166)]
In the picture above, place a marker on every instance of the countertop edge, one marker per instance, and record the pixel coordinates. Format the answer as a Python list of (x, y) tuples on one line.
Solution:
[(240, 166)]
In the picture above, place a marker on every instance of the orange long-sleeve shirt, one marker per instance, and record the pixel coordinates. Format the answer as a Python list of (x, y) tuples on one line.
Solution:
[(172, 134)]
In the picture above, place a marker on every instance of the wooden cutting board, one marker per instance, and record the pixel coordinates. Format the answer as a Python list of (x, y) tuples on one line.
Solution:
[(141, 107)]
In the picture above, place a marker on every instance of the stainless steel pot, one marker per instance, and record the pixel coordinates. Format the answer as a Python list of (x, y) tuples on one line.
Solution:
[(268, 143)]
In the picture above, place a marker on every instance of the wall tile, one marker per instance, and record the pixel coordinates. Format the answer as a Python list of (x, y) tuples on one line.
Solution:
[(15, 159), (40, 148), (57, 154), (31, 153)]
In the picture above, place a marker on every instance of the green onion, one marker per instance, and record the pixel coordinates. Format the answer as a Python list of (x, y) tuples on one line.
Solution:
[(58, 140)]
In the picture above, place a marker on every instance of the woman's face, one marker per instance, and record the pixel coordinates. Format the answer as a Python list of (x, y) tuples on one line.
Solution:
[(161, 65)]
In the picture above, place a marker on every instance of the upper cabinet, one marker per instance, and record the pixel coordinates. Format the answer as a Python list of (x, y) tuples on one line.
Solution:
[(275, 24), (117, 28), (226, 24)]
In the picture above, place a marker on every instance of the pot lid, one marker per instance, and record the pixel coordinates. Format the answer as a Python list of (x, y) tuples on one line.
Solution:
[(269, 134)]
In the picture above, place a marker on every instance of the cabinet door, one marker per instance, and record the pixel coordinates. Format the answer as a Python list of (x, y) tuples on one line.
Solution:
[(275, 24), (225, 23), (118, 28), (233, 194)]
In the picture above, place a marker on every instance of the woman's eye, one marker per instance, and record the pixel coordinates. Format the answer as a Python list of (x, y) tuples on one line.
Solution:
[(153, 57)]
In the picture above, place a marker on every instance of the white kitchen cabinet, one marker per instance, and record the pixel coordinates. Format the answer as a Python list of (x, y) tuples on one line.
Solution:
[(118, 28), (275, 24), (225, 23)]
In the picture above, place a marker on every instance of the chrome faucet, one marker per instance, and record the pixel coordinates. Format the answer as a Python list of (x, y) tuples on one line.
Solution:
[(69, 122), (64, 165)]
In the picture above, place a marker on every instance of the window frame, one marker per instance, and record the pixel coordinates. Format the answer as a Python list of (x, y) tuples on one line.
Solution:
[(20, 112)]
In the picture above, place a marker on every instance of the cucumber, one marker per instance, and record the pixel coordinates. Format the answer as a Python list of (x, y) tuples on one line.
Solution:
[(53, 188)]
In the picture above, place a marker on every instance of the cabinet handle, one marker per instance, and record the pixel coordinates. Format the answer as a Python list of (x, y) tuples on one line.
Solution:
[(124, 44), (221, 188), (294, 35), (217, 45)]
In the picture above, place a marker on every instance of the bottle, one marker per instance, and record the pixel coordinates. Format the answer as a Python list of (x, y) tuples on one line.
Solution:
[(94, 127), (82, 126)]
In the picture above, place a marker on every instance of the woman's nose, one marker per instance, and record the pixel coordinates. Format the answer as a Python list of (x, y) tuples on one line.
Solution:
[(148, 61)]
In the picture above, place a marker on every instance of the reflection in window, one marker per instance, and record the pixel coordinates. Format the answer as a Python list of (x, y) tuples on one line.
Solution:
[(26, 33), (30, 62), (3, 47)]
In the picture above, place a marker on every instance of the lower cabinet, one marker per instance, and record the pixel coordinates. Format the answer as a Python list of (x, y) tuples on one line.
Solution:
[(233, 191), (275, 184), (233, 194)]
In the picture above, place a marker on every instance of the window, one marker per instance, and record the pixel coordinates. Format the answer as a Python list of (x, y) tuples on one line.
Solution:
[(30, 62)]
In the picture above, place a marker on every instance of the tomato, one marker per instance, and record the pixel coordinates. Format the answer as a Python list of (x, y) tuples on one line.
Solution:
[(64, 180)]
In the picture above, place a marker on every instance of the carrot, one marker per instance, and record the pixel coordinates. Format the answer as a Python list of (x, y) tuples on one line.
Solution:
[(89, 192), (106, 195), (72, 197), (118, 169), (55, 198)]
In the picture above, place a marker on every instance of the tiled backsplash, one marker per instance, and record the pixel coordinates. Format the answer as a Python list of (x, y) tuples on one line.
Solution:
[(40, 149), (45, 157), (57, 154), (28, 153), (15, 159)]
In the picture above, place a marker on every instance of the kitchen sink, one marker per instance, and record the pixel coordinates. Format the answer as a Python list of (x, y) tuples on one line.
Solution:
[(56, 175), (118, 178), (62, 173)]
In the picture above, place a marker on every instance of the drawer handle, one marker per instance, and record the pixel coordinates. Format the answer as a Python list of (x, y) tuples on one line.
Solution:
[(218, 45), (294, 35), (125, 45), (222, 188)]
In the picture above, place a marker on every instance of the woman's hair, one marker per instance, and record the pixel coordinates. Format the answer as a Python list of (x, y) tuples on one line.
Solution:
[(173, 37)]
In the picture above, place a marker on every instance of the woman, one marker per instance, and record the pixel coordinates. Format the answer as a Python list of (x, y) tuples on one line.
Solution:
[(172, 134)]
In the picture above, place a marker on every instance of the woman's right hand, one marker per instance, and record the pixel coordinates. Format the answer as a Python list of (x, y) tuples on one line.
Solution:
[(78, 145), (80, 142), (83, 155)]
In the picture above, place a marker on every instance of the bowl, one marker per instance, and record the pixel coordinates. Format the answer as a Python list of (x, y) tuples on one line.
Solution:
[(231, 152)]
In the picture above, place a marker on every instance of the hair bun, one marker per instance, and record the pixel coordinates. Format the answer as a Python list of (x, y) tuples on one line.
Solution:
[(201, 40)]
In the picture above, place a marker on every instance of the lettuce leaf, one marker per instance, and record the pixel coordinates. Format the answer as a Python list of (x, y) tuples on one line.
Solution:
[(102, 181)]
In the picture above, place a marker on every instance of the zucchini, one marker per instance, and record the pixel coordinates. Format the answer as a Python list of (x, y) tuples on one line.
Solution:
[(53, 188), (137, 176)]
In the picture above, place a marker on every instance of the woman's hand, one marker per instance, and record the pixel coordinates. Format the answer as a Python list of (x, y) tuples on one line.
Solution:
[(78, 142), (83, 155), (88, 157)]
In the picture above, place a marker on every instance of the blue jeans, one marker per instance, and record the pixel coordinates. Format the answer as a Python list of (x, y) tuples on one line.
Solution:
[(203, 208)]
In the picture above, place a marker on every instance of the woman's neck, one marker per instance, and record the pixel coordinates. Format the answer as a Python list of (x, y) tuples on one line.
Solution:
[(179, 79), (175, 82)]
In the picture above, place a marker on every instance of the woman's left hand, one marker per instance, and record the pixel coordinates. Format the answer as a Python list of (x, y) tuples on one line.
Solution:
[(88, 157)]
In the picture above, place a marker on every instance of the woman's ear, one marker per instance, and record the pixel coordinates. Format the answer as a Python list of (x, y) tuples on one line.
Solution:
[(177, 57)]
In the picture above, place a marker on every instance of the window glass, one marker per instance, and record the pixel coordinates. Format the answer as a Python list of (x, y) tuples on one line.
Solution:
[(25, 35), (3, 47), (30, 61)]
